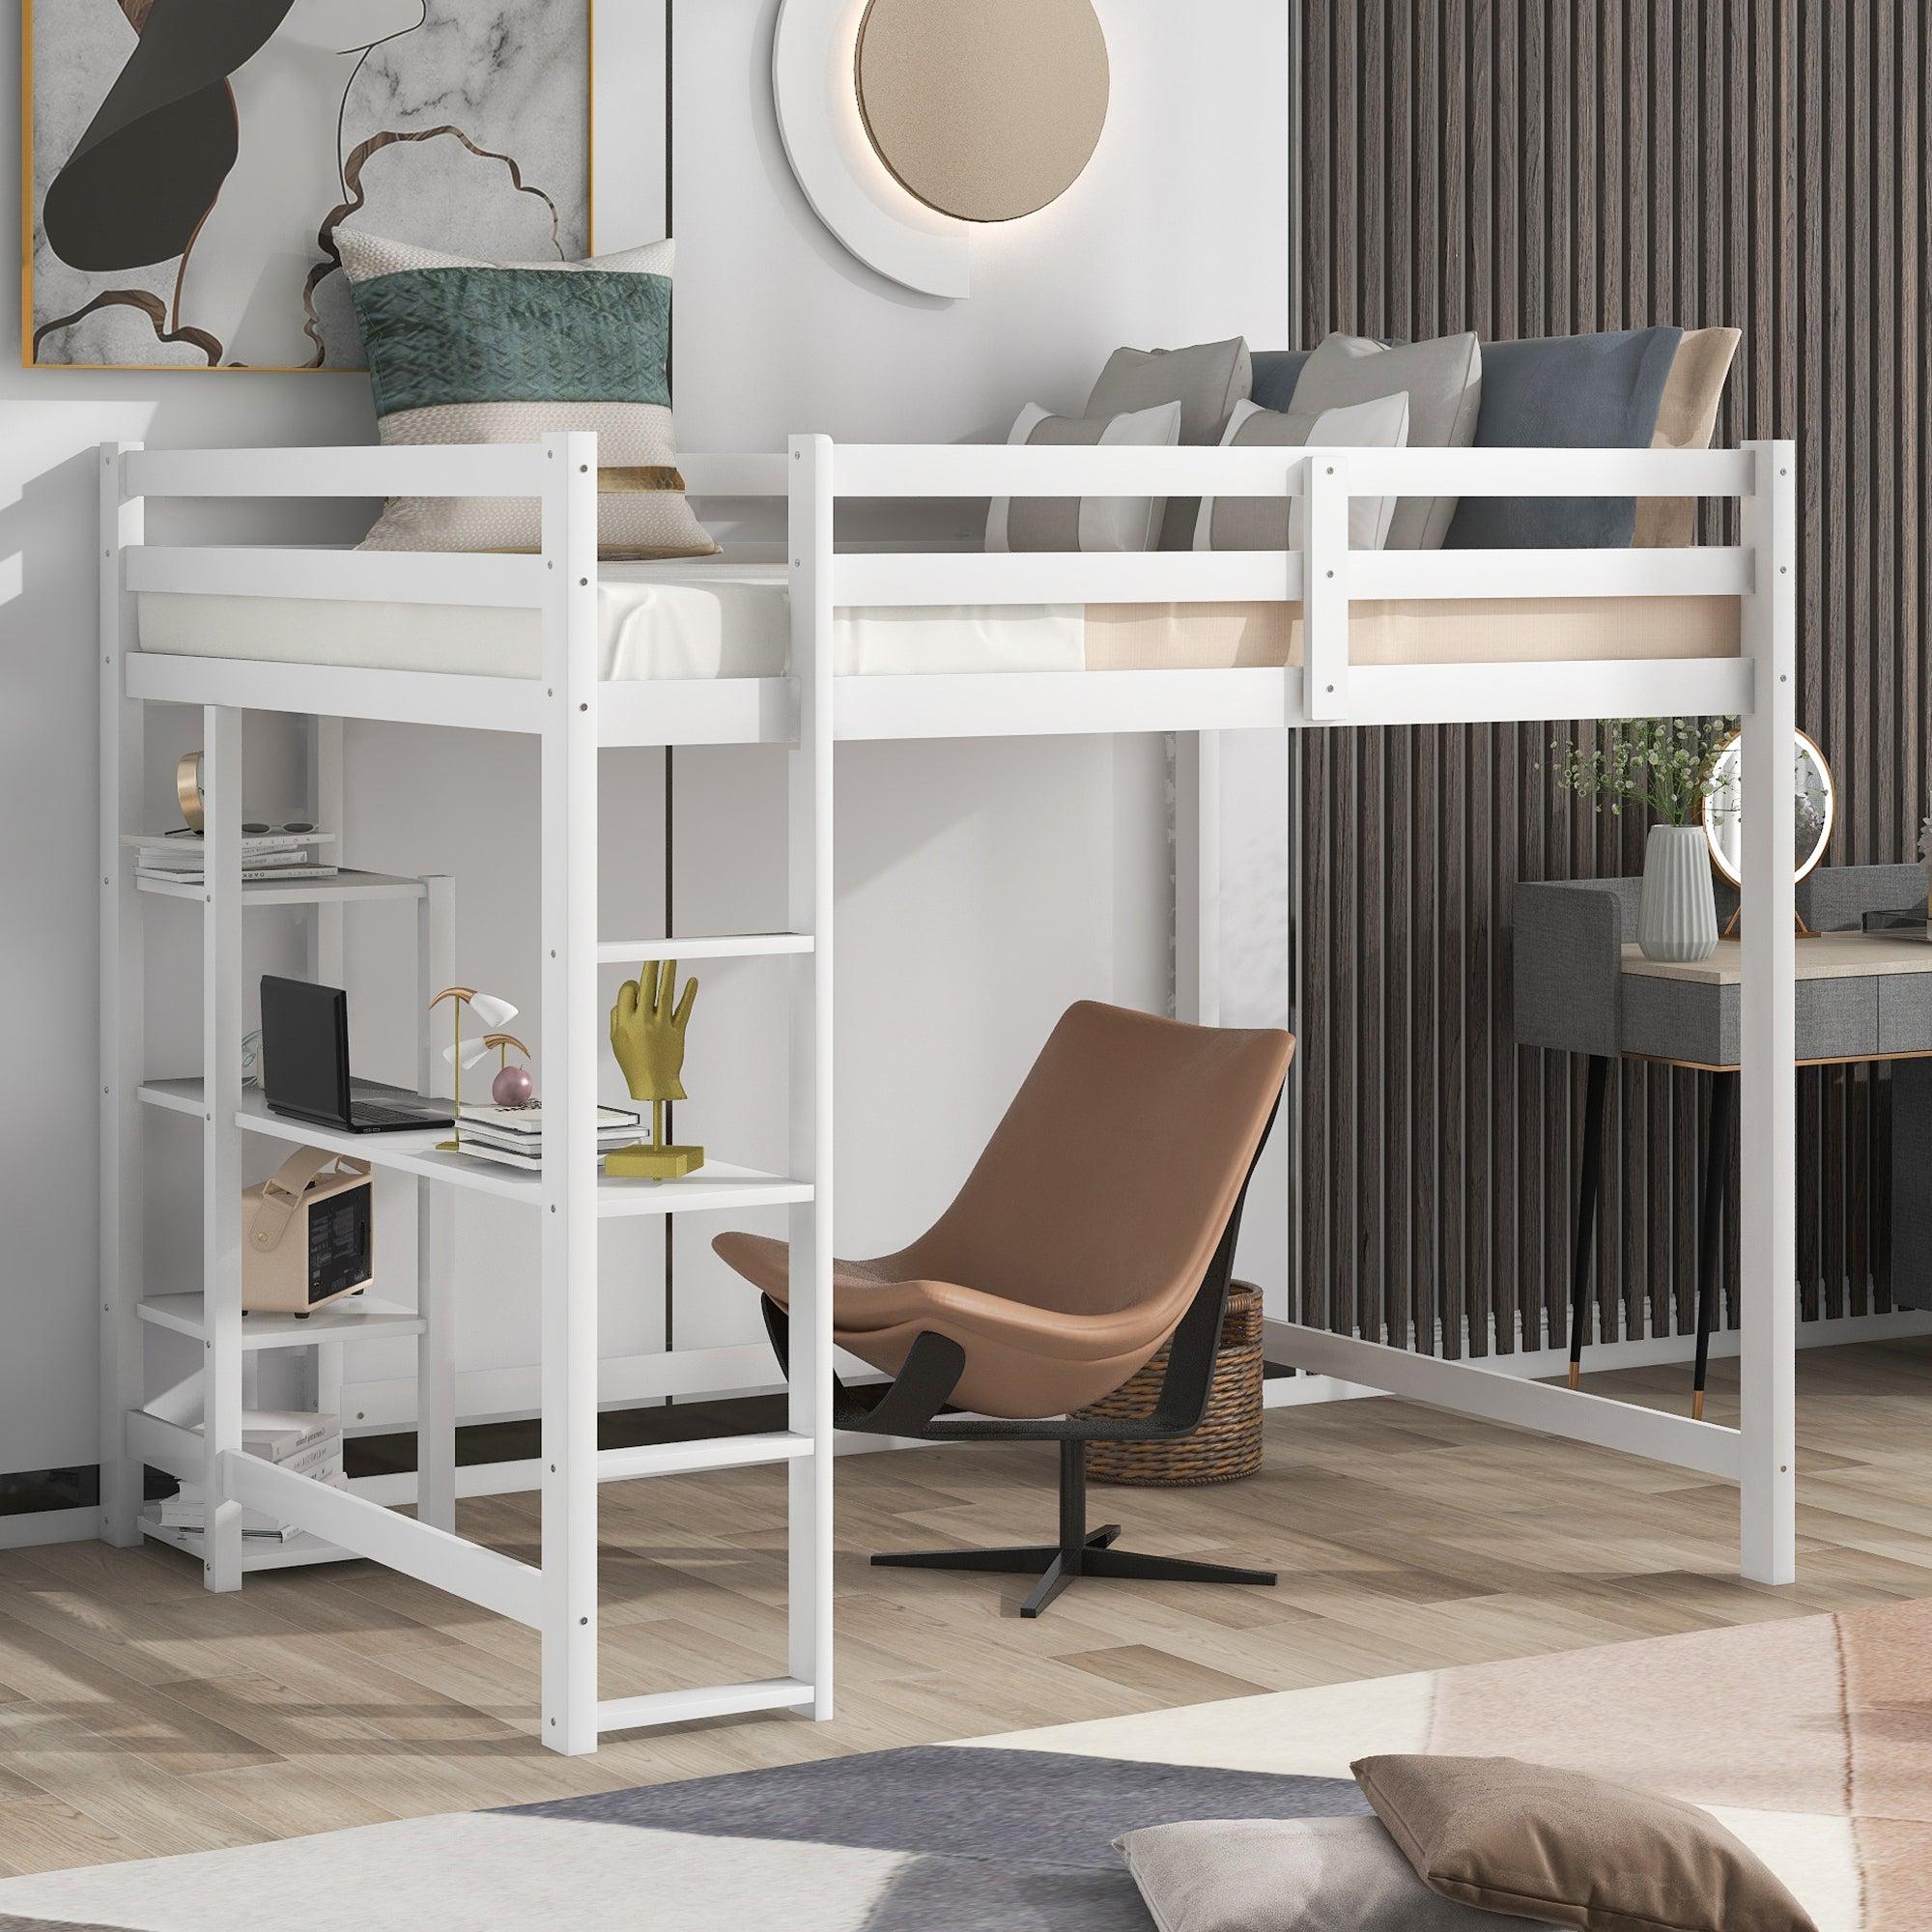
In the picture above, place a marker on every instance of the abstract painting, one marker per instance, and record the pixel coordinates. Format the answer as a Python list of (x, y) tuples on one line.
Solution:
[(191, 162)]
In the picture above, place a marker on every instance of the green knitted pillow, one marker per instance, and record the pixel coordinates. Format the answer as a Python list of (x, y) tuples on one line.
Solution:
[(478, 352)]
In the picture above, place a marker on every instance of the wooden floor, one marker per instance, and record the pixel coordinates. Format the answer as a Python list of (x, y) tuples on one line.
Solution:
[(140, 1715)]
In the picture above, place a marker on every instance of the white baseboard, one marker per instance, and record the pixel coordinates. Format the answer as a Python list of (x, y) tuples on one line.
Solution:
[(40, 1527)]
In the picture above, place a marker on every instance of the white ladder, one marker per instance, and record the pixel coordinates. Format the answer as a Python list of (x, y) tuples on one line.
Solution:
[(574, 1716)]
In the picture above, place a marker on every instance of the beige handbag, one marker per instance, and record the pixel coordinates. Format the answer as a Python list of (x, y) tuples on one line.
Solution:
[(309, 1233)]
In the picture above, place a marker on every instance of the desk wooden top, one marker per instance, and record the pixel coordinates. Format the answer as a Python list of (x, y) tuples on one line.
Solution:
[(1831, 955)]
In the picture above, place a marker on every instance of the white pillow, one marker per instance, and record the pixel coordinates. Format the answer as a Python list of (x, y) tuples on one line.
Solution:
[(1084, 522), (1280, 523)]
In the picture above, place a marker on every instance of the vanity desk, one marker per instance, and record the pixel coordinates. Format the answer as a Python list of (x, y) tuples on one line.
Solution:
[(1584, 986)]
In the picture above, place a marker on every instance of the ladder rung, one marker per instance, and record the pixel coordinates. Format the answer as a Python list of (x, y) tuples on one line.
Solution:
[(724, 946), (714, 1452), (716, 1700)]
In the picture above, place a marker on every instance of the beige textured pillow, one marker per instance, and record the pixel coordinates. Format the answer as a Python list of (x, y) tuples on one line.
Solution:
[(1687, 419), (1563, 1848), (1279, 522), (462, 351), (1443, 380), (1206, 379), (1083, 523)]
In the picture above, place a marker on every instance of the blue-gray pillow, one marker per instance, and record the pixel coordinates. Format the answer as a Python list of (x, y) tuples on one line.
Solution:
[(1568, 392), (1276, 371)]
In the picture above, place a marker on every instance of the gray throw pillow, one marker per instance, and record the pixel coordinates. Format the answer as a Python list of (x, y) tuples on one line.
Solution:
[(1566, 392), (1083, 523), (1276, 373), (1287, 1875), (1280, 523), (1443, 380), (1207, 379)]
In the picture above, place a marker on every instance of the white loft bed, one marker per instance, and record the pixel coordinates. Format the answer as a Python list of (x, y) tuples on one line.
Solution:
[(809, 708)]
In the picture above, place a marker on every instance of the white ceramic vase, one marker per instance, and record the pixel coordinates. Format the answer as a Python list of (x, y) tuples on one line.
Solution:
[(1677, 910)]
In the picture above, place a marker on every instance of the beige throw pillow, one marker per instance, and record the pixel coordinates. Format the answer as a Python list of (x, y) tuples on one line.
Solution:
[(1563, 1848), (1286, 1875), (1083, 523), (1443, 380), (1206, 379), (1281, 523), (1687, 419)]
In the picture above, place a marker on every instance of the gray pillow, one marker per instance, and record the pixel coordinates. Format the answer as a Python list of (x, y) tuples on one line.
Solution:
[(1083, 523), (1569, 392), (1280, 523), (1276, 373), (1287, 1875), (1207, 381), (1443, 380)]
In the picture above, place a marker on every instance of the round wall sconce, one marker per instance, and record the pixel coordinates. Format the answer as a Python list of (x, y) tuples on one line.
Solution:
[(984, 109), (906, 120)]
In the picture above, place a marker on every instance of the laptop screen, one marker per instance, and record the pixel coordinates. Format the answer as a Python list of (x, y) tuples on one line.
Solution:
[(306, 1047)]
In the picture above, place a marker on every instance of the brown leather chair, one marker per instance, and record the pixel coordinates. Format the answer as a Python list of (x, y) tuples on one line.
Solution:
[(1100, 1223)]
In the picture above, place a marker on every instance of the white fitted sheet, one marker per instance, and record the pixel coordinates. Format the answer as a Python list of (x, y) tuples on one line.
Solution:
[(690, 619)]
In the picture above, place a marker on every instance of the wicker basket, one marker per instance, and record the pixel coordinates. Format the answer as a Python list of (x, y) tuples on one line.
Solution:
[(1228, 1441)]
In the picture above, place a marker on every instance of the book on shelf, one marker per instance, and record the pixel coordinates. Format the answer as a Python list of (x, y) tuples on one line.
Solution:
[(514, 1135), (281, 1436), (526, 1123), (191, 1513), (174, 877)]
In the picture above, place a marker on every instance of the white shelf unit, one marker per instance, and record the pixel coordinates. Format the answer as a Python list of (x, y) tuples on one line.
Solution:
[(575, 715)]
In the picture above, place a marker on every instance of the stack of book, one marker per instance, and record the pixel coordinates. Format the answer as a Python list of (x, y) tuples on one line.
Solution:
[(304, 1444), (178, 859), (514, 1135)]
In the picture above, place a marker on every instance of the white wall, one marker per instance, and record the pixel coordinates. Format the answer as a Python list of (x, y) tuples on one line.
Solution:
[(981, 886)]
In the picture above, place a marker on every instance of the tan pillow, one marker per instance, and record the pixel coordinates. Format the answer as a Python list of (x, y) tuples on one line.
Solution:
[(1567, 1849), (1687, 419), (1207, 379)]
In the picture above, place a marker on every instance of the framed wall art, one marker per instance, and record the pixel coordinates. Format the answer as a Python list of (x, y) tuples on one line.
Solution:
[(188, 163)]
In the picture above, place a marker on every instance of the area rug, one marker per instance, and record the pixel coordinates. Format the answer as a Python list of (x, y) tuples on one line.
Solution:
[(1811, 1738)]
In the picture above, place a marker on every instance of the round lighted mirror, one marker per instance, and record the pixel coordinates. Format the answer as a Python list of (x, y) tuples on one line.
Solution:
[(1815, 806), (984, 109)]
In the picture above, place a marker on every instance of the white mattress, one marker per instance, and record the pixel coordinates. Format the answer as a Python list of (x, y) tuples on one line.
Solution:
[(706, 618), (696, 619)]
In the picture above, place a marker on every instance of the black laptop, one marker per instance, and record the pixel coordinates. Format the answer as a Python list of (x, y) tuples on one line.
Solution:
[(306, 1065)]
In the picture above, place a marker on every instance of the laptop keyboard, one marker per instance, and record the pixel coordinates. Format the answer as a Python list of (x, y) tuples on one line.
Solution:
[(367, 1114)]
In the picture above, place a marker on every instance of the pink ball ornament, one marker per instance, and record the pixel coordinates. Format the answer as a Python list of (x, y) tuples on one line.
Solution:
[(511, 1087)]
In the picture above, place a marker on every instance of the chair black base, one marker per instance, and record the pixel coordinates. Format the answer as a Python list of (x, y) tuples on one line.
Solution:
[(1079, 1553)]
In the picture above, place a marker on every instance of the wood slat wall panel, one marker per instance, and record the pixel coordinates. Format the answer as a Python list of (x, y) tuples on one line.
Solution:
[(1542, 167)]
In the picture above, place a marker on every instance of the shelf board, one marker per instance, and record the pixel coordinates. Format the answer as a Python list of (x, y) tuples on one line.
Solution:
[(346, 886), (177, 1096), (719, 1186), (354, 1317), (725, 946), (257, 1552)]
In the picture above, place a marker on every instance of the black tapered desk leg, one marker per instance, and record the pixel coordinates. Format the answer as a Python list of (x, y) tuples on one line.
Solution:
[(1711, 1228), (1586, 1207)]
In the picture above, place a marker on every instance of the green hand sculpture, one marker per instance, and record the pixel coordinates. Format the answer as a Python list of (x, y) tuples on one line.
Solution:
[(648, 1033)]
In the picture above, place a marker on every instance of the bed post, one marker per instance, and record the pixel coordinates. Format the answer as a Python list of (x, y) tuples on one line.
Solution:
[(221, 1394), (1768, 1316), (569, 1039), (1196, 877), (808, 1563), (122, 775)]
